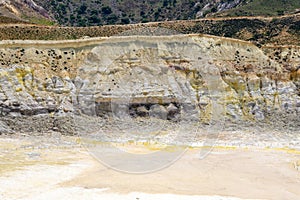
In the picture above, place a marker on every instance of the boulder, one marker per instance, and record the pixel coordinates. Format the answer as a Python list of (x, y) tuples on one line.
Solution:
[(158, 111), (172, 111), (142, 111)]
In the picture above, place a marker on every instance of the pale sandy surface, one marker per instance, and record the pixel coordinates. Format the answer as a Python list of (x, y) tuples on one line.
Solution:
[(68, 171)]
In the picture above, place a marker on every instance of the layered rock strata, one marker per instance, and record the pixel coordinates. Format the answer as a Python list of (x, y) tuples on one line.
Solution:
[(46, 86)]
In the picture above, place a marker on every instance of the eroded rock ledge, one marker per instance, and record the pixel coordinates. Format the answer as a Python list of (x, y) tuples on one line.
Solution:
[(45, 85)]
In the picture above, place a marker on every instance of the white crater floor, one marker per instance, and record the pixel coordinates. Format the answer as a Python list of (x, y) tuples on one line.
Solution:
[(56, 167)]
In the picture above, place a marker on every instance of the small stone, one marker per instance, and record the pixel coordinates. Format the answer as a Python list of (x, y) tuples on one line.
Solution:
[(251, 104), (172, 108), (14, 114), (66, 106), (16, 103), (39, 110), (51, 107), (39, 99)]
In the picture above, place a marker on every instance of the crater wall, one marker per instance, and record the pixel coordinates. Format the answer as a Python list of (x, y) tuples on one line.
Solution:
[(44, 84)]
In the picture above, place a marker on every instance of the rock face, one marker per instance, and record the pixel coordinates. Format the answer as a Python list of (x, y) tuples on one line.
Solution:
[(43, 85)]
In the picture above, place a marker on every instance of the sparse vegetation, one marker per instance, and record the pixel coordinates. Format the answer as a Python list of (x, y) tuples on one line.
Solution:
[(41, 21), (264, 8), (102, 12), (280, 30)]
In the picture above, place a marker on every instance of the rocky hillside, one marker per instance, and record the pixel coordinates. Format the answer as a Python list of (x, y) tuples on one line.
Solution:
[(263, 8), (101, 12), (275, 30), (45, 85), (23, 11)]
